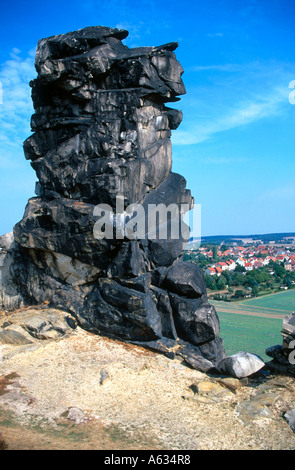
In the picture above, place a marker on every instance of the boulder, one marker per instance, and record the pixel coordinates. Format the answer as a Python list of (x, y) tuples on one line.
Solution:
[(186, 279), (196, 321), (290, 418), (241, 364)]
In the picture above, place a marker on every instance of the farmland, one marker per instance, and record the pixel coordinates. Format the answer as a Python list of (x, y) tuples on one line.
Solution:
[(255, 324)]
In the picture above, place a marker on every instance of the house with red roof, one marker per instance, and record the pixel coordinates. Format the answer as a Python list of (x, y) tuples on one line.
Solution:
[(210, 271), (248, 266)]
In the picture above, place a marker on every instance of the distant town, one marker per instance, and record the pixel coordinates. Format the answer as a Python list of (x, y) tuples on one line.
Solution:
[(245, 267)]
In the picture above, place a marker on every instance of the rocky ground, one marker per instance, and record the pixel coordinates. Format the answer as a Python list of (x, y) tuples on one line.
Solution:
[(74, 390)]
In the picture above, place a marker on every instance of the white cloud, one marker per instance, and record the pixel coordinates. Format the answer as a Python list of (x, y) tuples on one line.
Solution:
[(245, 95), (245, 113), (16, 108), (220, 68), (281, 194)]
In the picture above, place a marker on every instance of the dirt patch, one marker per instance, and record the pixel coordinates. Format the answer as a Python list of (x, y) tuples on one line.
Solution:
[(64, 435), (7, 380), (252, 313)]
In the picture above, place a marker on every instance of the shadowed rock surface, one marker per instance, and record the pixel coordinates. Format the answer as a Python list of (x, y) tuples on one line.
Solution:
[(101, 129), (283, 356)]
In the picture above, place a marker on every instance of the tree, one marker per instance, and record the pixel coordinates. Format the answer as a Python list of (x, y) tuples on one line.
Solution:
[(239, 268), (238, 279), (214, 251), (279, 270), (221, 283), (227, 276), (287, 281), (239, 293), (250, 282), (255, 291), (223, 248), (210, 282)]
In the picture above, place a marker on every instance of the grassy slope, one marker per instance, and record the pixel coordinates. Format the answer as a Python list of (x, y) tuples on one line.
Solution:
[(284, 301), (254, 333), (247, 333)]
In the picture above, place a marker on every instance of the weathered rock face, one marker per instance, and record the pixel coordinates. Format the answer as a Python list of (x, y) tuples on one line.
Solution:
[(101, 127), (101, 145), (283, 356)]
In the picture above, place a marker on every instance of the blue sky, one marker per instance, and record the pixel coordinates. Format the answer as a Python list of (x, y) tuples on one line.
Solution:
[(235, 146)]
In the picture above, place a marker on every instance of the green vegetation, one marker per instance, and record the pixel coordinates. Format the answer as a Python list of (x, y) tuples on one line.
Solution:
[(214, 250), (251, 304), (259, 281), (255, 324), (282, 302), (200, 259), (248, 333), (237, 284)]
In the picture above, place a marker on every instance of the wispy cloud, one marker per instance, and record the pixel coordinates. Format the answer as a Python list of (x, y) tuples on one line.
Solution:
[(244, 113), (245, 95), (280, 194), (16, 108), (225, 160), (215, 67), (215, 35)]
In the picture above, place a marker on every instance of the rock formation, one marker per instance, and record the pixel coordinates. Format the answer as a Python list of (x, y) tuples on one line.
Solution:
[(101, 150), (283, 356)]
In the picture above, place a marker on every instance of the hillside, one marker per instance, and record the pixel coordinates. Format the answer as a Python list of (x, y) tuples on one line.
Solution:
[(84, 391)]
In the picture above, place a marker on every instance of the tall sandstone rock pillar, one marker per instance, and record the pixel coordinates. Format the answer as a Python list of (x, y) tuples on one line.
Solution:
[(101, 144)]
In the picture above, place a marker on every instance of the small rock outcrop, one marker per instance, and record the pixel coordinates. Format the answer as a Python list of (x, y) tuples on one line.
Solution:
[(92, 242), (283, 356), (28, 325)]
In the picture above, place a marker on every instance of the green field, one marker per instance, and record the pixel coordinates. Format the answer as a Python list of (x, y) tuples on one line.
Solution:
[(281, 302), (255, 324)]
